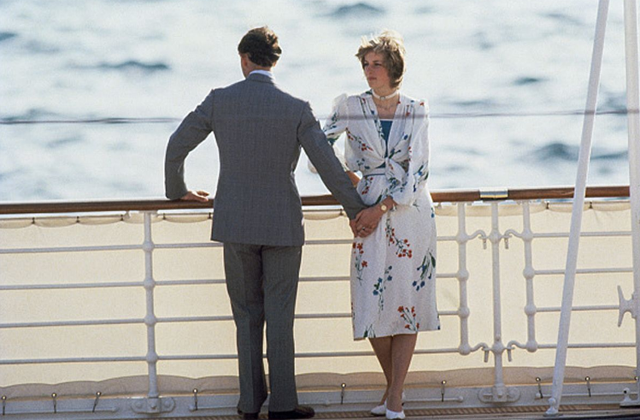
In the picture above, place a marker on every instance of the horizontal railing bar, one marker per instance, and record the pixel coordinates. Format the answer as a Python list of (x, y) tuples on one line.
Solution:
[(212, 244), (581, 308), (14, 288), (590, 346), (160, 320), (70, 286), (582, 234), (188, 282), (213, 318), (217, 245), (367, 353), (71, 323), (62, 360), (319, 200), (298, 355), (222, 281), (584, 271), (190, 245), (70, 249)]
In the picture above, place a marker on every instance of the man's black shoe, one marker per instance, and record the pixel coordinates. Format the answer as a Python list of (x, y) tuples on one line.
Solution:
[(248, 416), (300, 412)]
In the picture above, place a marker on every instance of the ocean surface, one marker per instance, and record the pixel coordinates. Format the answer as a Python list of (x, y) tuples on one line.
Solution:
[(90, 91)]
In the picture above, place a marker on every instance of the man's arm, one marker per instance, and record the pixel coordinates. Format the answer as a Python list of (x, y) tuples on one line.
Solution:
[(321, 154), (195, 127)]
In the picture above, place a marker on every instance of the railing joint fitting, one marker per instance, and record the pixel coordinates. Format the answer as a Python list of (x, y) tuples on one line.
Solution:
[(95, 402), (538, 380), (54, 396)]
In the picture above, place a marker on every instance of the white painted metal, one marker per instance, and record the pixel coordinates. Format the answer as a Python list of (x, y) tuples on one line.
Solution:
[(633, 125), (153, 403), (499, 393), (529, 273), (462, 238), (429, 395), (578, 207)]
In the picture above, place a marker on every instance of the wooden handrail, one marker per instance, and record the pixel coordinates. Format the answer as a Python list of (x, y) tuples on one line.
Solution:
[(452, 196)]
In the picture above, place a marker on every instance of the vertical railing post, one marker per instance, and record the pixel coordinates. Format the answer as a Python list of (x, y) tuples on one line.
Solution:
[(153, 404), (578, 204), (499, 393), (633, 128), (499, 389), (529, 273), (463, 277), (150, 317)]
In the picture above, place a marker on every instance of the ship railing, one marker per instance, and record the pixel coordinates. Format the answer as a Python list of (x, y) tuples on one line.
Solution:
[(119, 308)]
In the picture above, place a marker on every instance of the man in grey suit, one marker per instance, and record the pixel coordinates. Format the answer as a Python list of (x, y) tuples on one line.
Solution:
[(259, 130)]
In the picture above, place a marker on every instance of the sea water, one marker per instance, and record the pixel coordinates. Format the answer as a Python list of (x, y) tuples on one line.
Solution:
[(91, 91)]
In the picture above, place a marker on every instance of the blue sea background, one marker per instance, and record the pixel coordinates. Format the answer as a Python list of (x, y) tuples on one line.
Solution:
[(500, 77)]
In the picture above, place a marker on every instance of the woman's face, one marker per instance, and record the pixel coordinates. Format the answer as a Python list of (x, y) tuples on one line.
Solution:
[(375, 71)]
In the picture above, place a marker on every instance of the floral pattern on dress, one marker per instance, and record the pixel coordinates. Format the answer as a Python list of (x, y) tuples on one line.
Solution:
[(360, 264), (426, 271), (402, 246), (394, 267), (380, 286), (409, 317)]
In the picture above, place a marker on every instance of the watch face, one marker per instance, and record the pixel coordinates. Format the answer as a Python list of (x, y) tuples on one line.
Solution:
[(383, 207)]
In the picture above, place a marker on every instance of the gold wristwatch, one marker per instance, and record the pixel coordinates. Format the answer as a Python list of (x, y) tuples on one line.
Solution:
[(384, 207)]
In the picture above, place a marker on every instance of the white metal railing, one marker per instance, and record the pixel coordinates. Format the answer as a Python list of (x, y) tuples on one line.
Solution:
[(465, 230)]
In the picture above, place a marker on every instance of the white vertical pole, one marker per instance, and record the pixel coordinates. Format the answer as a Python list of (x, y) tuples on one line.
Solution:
[(463, 278), (578, 204), (633, 127), (529, 272), (150, 318), (499, 390)]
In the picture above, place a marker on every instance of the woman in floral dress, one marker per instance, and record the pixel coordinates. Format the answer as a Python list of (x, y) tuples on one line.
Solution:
[(394, 256)]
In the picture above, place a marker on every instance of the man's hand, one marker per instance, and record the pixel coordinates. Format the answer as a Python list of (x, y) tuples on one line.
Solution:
[(367, 221), (196, 196), (354, 229)]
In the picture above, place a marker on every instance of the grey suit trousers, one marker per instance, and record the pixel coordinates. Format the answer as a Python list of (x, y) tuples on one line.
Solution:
[(262, 282)]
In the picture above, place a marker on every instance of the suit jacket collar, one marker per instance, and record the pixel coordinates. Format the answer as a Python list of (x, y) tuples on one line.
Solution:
[(259, 77)]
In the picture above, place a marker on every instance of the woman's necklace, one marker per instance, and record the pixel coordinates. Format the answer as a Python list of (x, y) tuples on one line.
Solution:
[(384, 98), (389, 107), (381, 99)]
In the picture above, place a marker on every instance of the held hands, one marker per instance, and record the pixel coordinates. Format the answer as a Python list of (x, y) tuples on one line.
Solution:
[(196, 196), (366, 221)]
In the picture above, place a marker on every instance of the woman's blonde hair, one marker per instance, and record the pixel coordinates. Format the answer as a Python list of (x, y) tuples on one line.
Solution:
[(390, 45)]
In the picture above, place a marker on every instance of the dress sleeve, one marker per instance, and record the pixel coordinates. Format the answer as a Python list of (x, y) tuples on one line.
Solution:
[(338, 120), (405, 190), (334, 126)]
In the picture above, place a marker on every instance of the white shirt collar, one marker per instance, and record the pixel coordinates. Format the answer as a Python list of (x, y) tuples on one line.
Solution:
[(264, 73)]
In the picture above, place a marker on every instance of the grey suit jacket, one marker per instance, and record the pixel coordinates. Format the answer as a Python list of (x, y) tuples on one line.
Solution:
[(259, 130)]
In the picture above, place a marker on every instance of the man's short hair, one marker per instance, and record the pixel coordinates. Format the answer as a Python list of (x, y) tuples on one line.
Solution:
[(261, 44)]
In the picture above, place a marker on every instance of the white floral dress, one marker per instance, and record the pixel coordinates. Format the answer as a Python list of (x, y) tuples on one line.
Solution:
[(393, 270)]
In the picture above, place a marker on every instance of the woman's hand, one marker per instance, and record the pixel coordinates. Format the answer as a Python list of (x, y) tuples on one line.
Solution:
[(367, 220), (355, 179)]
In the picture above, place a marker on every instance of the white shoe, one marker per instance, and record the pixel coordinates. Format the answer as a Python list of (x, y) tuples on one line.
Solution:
[(380, 410), (391, 415)]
